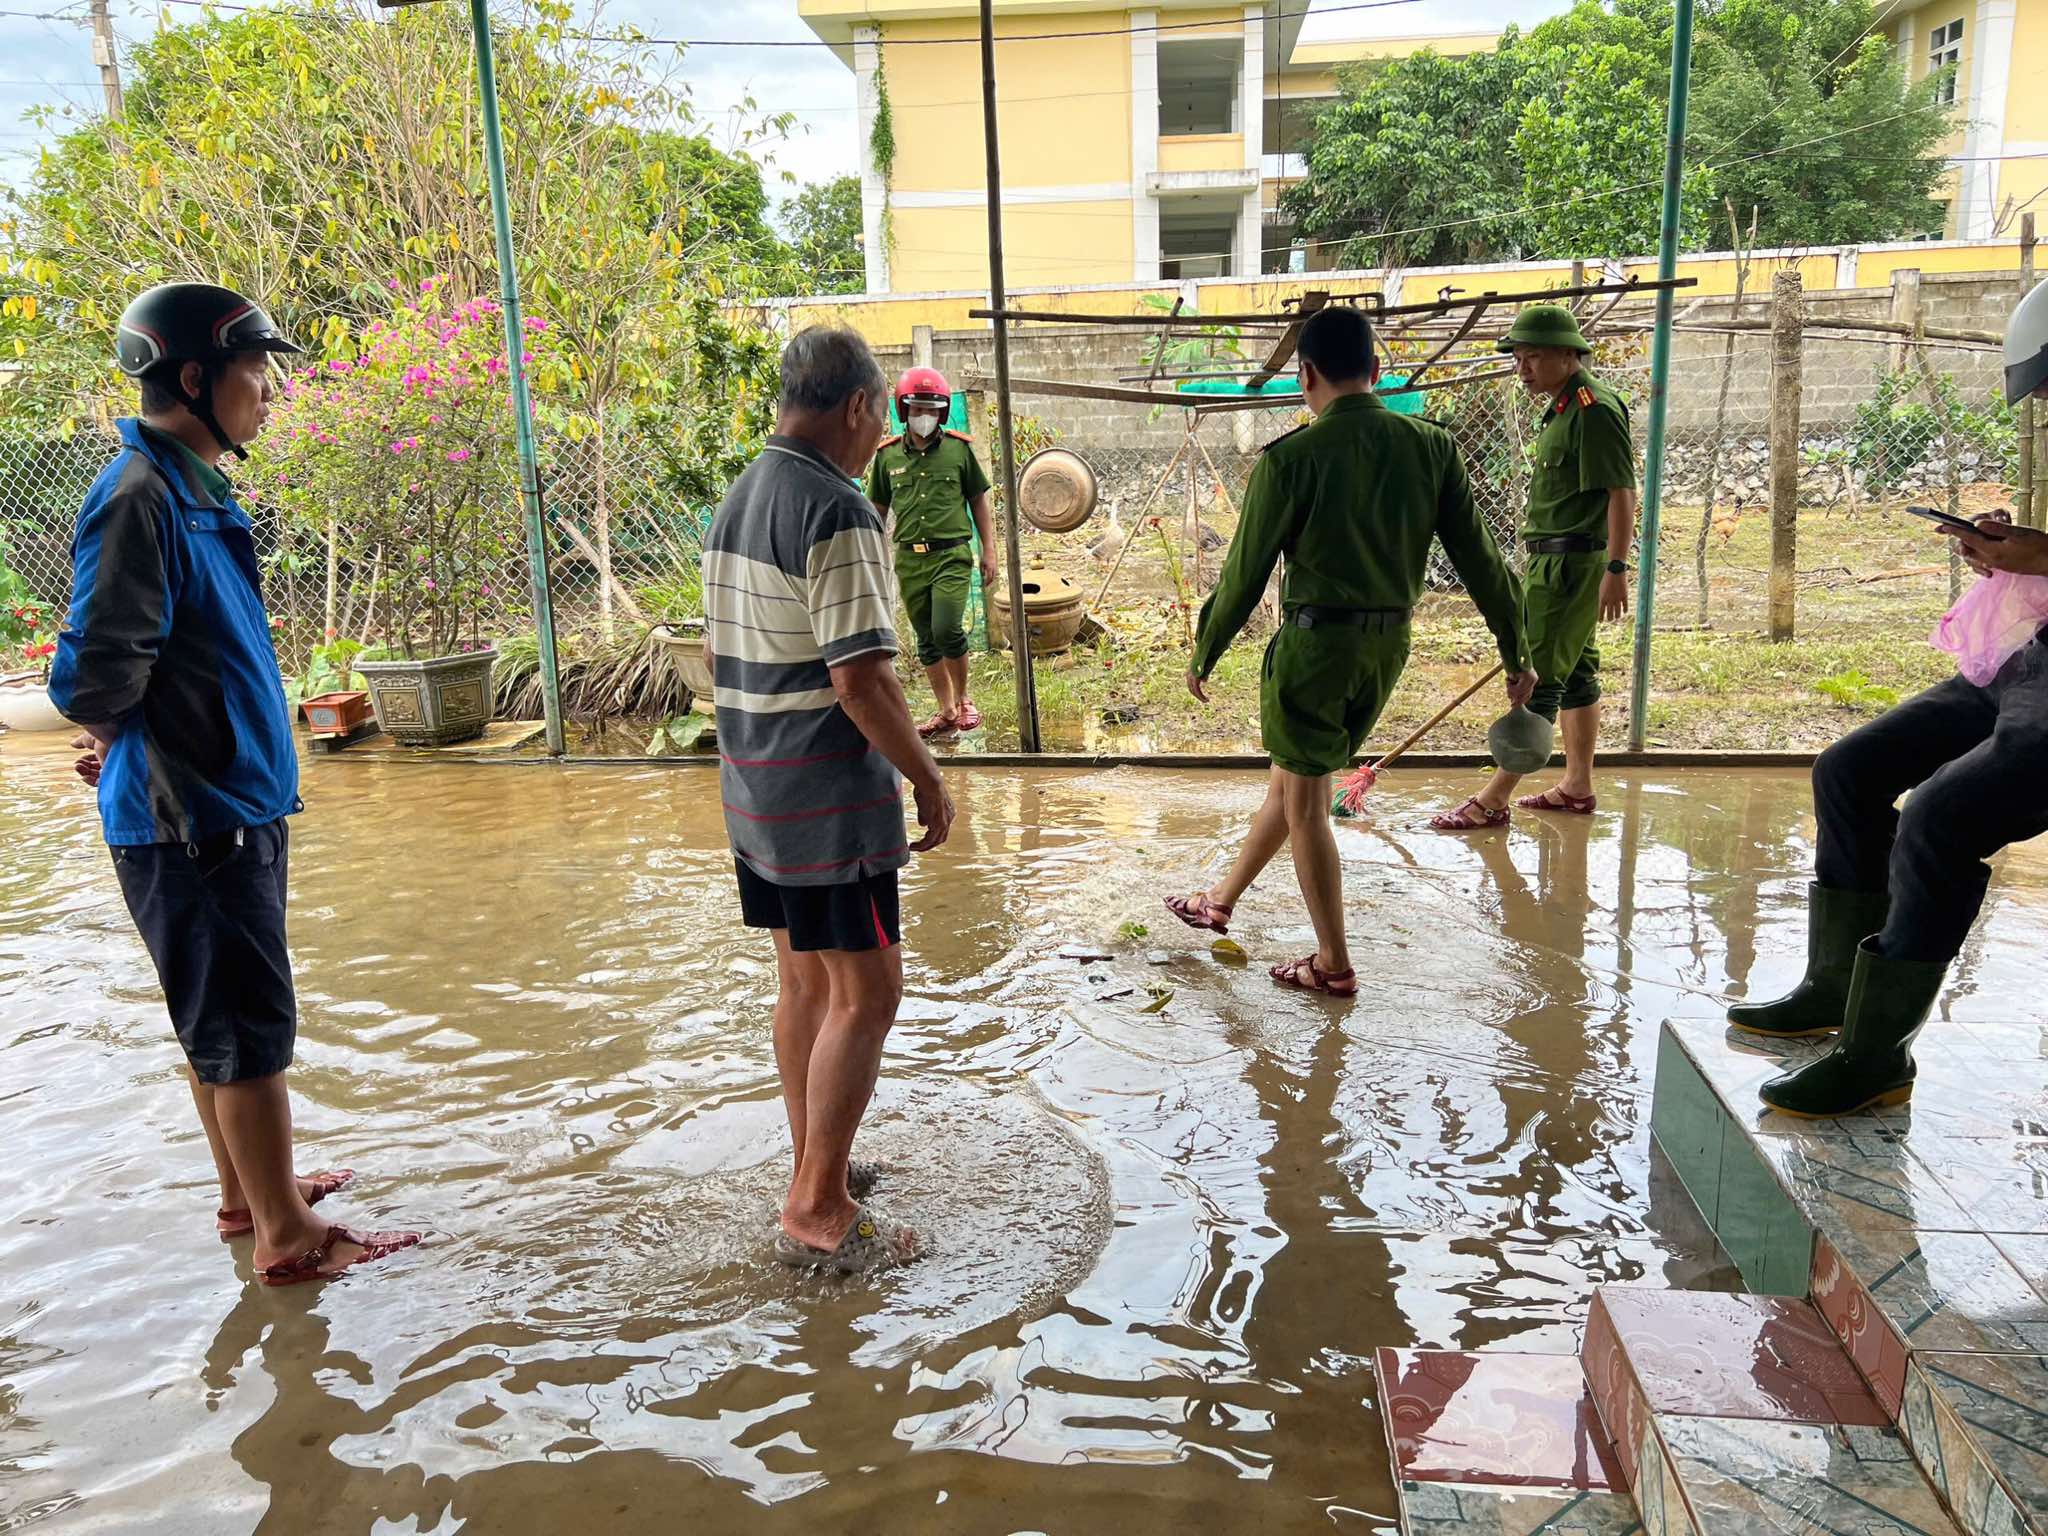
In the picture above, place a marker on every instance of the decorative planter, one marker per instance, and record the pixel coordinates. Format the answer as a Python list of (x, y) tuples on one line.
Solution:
[(432, 703), (25, 706), (336, 714), (690, 647), (1053, 612)]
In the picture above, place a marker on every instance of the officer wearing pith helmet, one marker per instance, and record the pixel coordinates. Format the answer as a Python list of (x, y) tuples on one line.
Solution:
[(1580, 518), (166, 663)]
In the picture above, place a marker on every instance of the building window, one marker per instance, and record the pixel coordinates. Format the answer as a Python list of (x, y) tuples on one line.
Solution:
[(1945, 58), (1198, 86), (1197, 243)]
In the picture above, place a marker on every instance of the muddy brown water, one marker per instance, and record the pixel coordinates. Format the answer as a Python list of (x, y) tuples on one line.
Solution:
[(1164, 1245)]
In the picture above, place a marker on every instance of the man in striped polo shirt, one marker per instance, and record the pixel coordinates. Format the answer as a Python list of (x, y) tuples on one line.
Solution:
[(816, 739)]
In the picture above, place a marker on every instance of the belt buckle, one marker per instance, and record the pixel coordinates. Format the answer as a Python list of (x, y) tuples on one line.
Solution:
[(1305, 618), (920, 549)]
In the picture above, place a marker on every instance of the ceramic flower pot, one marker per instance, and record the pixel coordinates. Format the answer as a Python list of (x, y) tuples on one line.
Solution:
[(432, 703), (25, 706), (336, 714)]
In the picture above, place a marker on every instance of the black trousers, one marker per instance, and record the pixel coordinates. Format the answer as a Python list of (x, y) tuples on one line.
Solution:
[(1976, 761)]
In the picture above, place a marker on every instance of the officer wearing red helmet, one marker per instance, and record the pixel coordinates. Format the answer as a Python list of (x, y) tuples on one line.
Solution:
[(936, 495)]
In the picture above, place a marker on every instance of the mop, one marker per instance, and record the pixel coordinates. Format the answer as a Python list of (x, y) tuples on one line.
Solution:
[(1352, 789)]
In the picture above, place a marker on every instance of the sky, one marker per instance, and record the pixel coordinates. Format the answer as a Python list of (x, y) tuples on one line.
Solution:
[(46, 60)]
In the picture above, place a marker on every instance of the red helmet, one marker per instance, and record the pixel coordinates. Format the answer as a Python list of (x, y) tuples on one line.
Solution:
[(926, 387)]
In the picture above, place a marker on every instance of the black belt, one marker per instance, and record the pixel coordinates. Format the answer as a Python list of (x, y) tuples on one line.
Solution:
[(1309, 615), (1566, 544), (932, 546)]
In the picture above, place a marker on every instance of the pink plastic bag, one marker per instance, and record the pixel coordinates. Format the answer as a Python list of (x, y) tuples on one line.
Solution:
[(1997, 616)]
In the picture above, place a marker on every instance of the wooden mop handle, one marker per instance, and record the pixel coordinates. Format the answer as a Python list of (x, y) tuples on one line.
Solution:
[(1438, 718)]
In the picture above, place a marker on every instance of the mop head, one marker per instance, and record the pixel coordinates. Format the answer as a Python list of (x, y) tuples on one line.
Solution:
[(1520, 740), (1352, 790)]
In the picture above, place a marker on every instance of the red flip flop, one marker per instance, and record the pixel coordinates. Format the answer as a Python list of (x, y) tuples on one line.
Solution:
[(1200, 912), (1469, 817), (312, 1264), (938, 725), (1342, 983), (1571, 805), (326, 1182), (970, 717)]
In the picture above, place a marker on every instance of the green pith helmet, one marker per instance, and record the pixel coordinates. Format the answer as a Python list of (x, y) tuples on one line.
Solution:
[(1544, 325), (1520, 740)]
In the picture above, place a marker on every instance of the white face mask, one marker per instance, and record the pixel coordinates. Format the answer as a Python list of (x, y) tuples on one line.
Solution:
[(924, 424)]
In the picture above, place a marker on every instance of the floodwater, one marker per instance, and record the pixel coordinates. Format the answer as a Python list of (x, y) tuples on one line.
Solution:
[(1163, 1244)]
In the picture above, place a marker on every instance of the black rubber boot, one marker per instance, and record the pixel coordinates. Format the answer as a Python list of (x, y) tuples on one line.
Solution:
[(1871, 1066), (1836, 922)]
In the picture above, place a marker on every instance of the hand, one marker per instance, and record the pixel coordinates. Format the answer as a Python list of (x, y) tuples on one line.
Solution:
[(1999, 546), (988, 572), (1613, 595), (934, 814), (1195, 686), (1521, 688), (95, 750)]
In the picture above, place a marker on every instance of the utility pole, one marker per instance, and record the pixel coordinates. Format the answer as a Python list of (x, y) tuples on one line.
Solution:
[(103, 55)]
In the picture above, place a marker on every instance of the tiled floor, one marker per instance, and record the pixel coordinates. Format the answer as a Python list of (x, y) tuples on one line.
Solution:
[(1439, 1509), (1494, 1418), (1928, 1234)]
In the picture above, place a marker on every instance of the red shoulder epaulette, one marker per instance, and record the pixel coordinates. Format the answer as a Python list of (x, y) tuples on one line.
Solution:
[(1585, 396), (964, 437), (889, 442)]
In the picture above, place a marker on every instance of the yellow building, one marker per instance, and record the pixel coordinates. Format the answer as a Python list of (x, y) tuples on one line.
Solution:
[(1138, 144), (1994, 61)]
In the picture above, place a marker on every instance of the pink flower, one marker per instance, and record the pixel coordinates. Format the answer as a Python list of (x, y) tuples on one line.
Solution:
[(428, 583), (338, 365), (457, 455)]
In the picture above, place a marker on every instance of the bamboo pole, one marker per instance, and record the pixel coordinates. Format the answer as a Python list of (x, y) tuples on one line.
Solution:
[(1786, 313), (2028, 516)]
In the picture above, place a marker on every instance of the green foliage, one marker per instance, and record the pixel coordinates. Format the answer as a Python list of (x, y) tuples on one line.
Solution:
[(1130, 931), (1896, 428), (882, 148), (823, 226), (28, 627), (1212, 344), (678, 733), (1791, 114), (330, 669), (1852, 690)]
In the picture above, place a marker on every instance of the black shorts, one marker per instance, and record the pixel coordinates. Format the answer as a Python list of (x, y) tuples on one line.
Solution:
[(212, 917), (860, 914)]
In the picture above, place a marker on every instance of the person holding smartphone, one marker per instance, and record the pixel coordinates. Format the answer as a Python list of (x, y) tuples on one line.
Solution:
[(1896, 888)]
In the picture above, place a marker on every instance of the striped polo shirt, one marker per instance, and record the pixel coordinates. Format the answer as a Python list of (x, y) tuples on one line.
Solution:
[(797, 579)]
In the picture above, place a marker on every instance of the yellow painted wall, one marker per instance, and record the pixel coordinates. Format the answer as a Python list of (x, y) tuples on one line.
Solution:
[(887, 321), (1051, 244), (1202, 152)]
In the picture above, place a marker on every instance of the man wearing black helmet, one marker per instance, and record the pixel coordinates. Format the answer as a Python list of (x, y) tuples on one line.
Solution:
[(166, 662)]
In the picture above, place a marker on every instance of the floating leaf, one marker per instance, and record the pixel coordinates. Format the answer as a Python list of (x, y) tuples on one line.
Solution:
[(1230, 952), (1131, 932), (1158, 1003)]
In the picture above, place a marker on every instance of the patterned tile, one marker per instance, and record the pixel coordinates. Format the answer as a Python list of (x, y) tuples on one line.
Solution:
[(1874, 1347), (1863, 1178), (2001, 1182), (2028, 1255), (1990, 1427), (1659, 1499), (1443, 1509), (1737, 1357), (1956, 1096), (1753, 1476), (1947, 1290), (2019, 1040), (1493, 1418), (1617, 1399)]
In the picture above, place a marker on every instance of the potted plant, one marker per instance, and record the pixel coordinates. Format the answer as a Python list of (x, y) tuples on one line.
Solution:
[(28, 639), (401, 459)]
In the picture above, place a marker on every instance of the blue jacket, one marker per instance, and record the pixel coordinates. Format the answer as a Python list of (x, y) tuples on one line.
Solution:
[(168, 639)]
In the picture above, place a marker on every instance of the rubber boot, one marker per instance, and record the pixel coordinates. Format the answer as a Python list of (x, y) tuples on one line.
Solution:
[(1871, 1066), (1836, 922)]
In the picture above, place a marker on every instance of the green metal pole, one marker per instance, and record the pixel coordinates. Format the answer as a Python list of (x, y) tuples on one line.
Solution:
[(1660, 372), (522, 404)]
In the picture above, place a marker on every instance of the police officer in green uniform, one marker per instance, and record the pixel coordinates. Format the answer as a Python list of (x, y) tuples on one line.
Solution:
[(1352, 500), (1582, 513), (930, 481)]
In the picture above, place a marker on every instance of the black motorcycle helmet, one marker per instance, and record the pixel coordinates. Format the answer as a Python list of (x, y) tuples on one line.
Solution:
[(178, 323)]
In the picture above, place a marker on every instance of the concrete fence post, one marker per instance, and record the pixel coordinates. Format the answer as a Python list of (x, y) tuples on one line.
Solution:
[(1787, 329)]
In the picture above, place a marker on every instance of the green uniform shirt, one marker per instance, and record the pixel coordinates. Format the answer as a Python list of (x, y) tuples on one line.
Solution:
[(1581, 452), (1353, 499), (206, 480), (928, 488)]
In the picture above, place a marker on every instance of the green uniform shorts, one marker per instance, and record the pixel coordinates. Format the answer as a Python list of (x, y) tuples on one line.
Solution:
[(935, 588), (1322, 690), (1561, 618)]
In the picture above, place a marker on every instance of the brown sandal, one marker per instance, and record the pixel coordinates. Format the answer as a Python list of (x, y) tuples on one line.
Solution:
[(238, 1223), (1198, 911), (312, 1264), (1342, 983), (1571, 805), (1470, 817)]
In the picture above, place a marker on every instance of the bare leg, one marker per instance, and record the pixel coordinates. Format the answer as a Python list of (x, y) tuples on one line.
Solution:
[(941, 677), (799, 1011), (256, 1123), (1581, 729), (1266, 836), (223, 1165), (1316, 866), (865, 987), (1499, 789), (957, 668)]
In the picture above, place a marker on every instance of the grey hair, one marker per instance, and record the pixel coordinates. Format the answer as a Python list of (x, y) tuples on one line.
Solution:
[(822, 367)]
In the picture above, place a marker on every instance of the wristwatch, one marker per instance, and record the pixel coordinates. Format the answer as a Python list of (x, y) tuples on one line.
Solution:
[(1617, 567)]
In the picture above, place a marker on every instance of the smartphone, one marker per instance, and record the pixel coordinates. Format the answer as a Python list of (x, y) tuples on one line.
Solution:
[(1943, 519)]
